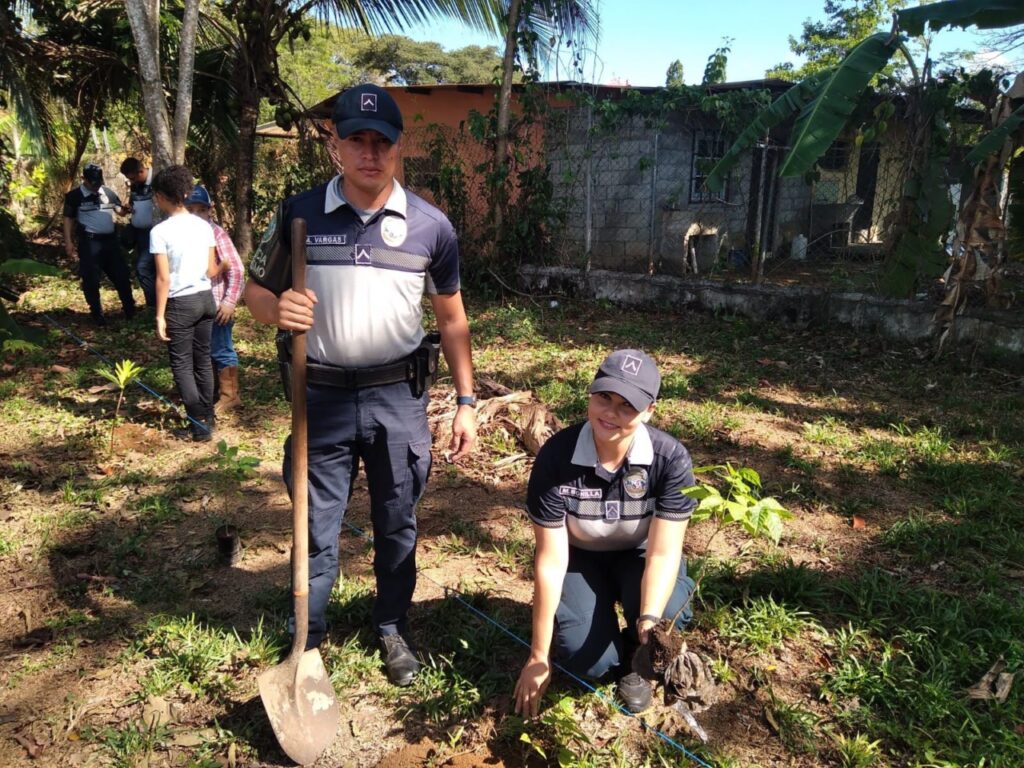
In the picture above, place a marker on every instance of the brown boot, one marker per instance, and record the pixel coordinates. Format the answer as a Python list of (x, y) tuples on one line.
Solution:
[(228, 380)]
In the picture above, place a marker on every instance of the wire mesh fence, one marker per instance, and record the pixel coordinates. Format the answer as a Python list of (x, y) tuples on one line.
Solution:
[(632, 198)]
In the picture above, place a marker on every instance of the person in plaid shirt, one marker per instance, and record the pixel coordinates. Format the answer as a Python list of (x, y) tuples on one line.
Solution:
[(227, 287)]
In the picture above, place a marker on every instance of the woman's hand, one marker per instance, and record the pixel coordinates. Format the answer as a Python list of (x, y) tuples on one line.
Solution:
[(161, 329), (533, 681)]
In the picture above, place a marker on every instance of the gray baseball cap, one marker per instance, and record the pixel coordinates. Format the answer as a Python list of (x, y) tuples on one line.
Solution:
[(630, 373)]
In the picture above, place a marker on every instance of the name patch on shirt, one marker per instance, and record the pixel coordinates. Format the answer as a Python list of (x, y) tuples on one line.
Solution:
[(326, 239), (579, 493)]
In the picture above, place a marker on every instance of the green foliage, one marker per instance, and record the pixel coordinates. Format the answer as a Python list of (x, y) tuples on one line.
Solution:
[(857, 751), (824, 117), (714, 70), (784, 107), (674, 77), (402, 61), (237, 467), (823, 44), (993, 141), (983, 14), (742, 503)]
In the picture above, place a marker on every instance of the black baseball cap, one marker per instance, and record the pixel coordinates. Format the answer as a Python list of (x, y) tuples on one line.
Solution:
[(367, 107), (630, 373), (93, 174)]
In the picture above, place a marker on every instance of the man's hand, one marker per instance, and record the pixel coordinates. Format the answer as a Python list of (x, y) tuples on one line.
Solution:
[(161, 329), (70, 251), (463, 432), (532, 683), (295, 310), (643, 629), (224, 314)]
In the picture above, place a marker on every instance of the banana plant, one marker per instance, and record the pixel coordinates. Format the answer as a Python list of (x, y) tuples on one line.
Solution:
[(780, 110), (12, 335), (825, 116)]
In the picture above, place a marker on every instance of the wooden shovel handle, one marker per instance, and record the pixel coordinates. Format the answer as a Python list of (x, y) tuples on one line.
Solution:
[(300, 454)]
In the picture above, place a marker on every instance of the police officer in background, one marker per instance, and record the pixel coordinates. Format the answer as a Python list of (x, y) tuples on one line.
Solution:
[(140, 190), (89, 211), (373, 249)]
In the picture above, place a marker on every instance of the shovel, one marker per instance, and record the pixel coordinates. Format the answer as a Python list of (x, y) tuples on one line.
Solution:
[(297, 693)]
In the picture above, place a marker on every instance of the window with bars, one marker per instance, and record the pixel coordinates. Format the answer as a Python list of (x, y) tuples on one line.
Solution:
[(708, 149)]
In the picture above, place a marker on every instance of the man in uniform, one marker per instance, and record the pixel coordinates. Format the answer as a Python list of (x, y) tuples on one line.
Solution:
[(373, 249), (140, 187), (89, 219)]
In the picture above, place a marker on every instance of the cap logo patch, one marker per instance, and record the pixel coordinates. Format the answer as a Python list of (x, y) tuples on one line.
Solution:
[(631, 365), (368, 102), (612, 510)]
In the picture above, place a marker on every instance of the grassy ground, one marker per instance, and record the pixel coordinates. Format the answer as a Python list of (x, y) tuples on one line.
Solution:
[(900, 581)]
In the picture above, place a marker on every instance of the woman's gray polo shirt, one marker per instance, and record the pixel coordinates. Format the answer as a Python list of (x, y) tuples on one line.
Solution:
[(602, 510)]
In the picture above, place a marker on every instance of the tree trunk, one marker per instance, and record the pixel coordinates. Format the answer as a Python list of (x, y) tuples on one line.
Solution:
[(504, 108), (186, 69), (244, 172), (144, 18)]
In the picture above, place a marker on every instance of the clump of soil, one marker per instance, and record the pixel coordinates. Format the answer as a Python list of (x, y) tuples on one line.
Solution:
[(665, 644)]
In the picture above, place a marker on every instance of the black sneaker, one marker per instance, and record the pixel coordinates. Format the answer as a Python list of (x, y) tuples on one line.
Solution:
[(130, 311), (399, 660), (98, 320), (634, 692)]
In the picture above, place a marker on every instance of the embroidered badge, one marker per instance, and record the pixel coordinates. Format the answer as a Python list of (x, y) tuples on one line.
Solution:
[(635, 483), (361, 255), (631, 365), (612, 510), (393, 230), (368, 103)]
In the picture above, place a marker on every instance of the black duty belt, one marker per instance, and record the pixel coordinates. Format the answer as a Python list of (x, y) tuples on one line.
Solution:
[(419, 368), (97, 235), (357, 378)]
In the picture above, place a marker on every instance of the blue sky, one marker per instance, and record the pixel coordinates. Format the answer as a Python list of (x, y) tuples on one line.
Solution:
[(640, 38)]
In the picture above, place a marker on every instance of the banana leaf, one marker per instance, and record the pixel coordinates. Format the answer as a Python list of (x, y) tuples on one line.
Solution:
[(824, 117), (27, 267), (984, 14), (992, 142), (778, 111)]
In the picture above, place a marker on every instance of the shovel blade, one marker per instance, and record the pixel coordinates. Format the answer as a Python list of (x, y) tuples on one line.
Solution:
[(301, 706)]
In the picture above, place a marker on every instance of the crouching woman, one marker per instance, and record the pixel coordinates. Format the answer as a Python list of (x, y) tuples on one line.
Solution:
[(609, 520)]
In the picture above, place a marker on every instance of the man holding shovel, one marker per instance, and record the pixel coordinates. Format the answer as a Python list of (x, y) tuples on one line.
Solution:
[(372, 250)]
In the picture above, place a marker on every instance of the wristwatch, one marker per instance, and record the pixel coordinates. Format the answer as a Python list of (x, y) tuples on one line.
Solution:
[(469, 400)]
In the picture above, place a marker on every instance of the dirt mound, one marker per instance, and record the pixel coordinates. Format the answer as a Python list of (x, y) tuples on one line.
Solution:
[(426, 752)]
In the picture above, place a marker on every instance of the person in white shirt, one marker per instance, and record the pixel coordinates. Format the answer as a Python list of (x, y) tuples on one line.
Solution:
[(184, 252)]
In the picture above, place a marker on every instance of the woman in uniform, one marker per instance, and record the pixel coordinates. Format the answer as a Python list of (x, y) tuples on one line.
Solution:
[(605, 499)]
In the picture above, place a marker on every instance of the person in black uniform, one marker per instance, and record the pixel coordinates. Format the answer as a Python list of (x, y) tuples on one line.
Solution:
[(605, 498), (373, 250), (89, 212), (140, 199)]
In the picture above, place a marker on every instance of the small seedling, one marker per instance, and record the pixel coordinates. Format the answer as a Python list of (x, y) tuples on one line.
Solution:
[(124, 373), (237, 467)]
